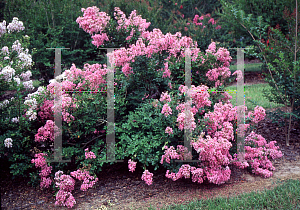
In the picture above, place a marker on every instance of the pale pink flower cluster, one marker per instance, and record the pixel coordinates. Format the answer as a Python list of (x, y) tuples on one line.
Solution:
[(89, 155), (215, 73), (185, 171), (133, 20), (169, 130), (4, 103), (222, 113), (200, 96), (66, 102), (5, 50), (93, 21), (15, 25), (167, 72), (99, 39), (147, 177), (186, 120), (15, 120), (31, 103), (46, 132), (157, 42), (257, 152), (2, 28), (181, 153), (28, 85), (166, 110), (8, 142), (40, 162), (165, 97), (17, 46), (131, 165)]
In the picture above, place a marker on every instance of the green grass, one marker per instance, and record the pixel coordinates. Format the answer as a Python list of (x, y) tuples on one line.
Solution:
[(251, 67), (253, 96), (284, 196)]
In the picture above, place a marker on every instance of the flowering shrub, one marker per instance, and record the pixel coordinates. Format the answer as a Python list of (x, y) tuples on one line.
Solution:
[(146, 130)]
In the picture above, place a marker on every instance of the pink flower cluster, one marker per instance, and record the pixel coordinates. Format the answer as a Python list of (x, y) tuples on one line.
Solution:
[(147, 177), (257, 152), (259, 114), (220, 115), (89, 155), (131, 165), (46, 110), (93, 21), (88, 180), (165, 97), (169, 130), (166, 110), (40, 162), (65, 183), (181, 153), (50, 130), (157, 42), (185, 171), (211, 20)]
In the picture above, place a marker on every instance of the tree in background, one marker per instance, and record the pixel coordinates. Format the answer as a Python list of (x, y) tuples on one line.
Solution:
[(278, 51)]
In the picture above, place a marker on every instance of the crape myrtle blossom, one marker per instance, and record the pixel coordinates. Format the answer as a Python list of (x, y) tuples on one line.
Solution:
[(15, 120), (7, 73), (15, 25), (131, 165), (257, 156), (8, 142), (40, 162), (5, 50), (147, 177), (46, 132), (4, 103)]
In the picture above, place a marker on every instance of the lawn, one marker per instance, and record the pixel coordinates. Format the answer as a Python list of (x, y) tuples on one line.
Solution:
[(285, 196)]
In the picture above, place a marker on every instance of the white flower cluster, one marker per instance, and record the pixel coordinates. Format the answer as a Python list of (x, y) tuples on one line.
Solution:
[(17, 80), (8, 142), (61, 77), (15, 119), (28, 85), (25, 58), (7, 73), (17, 46), (32, 103), (5, 50), (15, 25), (26, 76), (2, 28), (4, 103)]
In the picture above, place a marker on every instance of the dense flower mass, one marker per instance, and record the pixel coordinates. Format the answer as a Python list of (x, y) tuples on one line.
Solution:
[(212, 149)]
